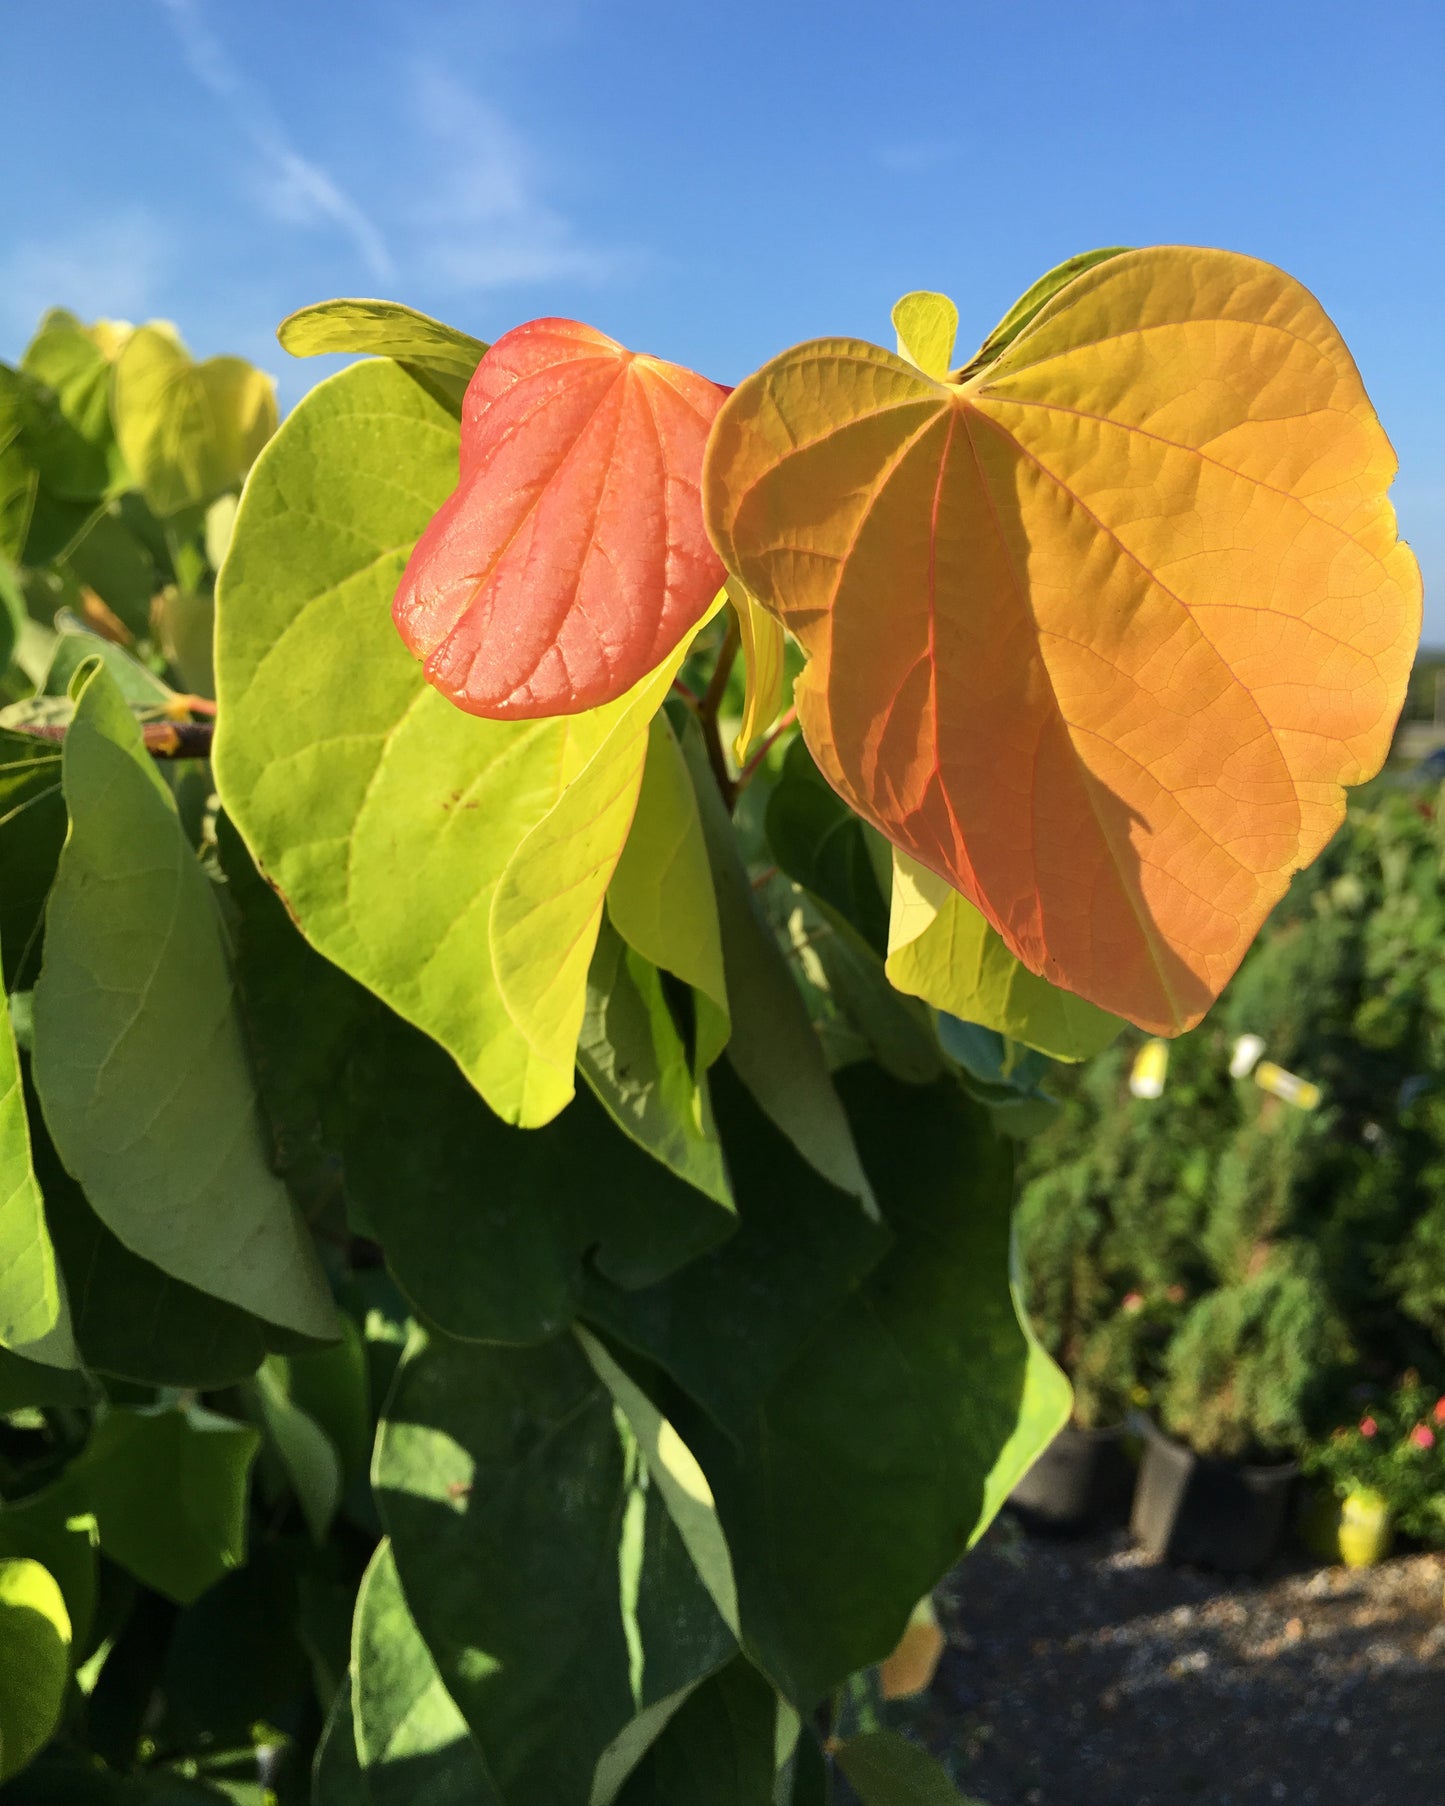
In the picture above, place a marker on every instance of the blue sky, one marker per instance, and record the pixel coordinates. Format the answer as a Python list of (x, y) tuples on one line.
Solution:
[(715, 182)]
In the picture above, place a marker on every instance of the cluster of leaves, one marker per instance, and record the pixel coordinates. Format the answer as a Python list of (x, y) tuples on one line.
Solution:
[(1222, 1255), (497, 1160)]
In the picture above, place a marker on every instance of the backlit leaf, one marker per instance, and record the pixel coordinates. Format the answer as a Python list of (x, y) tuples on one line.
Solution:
[(941, 949), (1033, 299), (388, 819), (927, 325), (1098, 631), (75, 361), (661, 897), (34, 1660), (305, 1452), (571, 557), (763, 646), (188, 430), (139, 1061), (380, 329)]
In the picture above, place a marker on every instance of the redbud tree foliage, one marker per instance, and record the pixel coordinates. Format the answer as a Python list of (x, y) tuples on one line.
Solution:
[(531, 1110)]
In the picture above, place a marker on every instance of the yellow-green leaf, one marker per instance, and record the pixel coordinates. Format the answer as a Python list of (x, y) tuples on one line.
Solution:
[(661, 898), (764, 645), (379, 329), (32, 1304), (927, 325), (941, 949), (548, 904), (188, 431)]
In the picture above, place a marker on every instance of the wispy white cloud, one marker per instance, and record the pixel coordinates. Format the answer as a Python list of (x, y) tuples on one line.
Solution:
[(479, 217), (114, 266), (292, 186)]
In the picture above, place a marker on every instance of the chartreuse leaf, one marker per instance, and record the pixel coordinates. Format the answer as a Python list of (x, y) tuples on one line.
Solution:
[(380, 329), (941, 948), (633, 1056), (571, 559), (1098, 630), (412, 1742), (34, 1661), (75, 361), (548, 906), (31, 1301), (138, 1055), (167, 1487), (1033, 299), (541, 1568), (387, 818), (764, 646), (18, 476), (187, 430), (539, 1210), (927, 325), (872, 1430), (773, 1047), (661, 898), (884, 1769)]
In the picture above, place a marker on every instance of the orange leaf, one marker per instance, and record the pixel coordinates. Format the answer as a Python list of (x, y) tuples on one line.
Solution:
[(571, 558), (1098, 629)]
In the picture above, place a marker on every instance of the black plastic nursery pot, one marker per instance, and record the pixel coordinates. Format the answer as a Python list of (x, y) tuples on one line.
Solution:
[(1228, 1515), (1082, 1481)]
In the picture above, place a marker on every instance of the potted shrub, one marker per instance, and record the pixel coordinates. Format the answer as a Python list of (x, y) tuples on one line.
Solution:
[(1382, 1473), (1244, 1376)]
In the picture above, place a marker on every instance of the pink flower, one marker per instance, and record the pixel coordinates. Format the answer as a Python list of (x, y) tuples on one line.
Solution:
[(1368, 1426), (1133, 1301), (1423, 1436)]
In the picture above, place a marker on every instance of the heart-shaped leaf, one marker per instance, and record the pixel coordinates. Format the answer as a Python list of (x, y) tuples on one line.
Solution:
[(1096, 631), (571, 558)]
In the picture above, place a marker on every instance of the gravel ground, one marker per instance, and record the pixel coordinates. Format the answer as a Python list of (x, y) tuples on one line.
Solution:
[(1082, 1674)]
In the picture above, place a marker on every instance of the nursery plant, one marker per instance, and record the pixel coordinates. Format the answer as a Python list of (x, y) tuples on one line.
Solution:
[(506, 1284)]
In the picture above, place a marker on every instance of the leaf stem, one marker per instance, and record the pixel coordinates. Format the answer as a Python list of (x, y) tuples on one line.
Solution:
[(162, 739), (708, 708)]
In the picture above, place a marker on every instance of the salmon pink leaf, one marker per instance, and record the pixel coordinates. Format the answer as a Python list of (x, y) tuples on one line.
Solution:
[(571, 558)]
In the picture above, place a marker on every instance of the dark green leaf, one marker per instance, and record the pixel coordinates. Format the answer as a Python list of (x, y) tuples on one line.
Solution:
[(864, 1464), (822, 845), (544, 1574), (773, 1047), (490, 1229), (32, 832), (412, 1742), (717, 1749), (885, 1769)]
